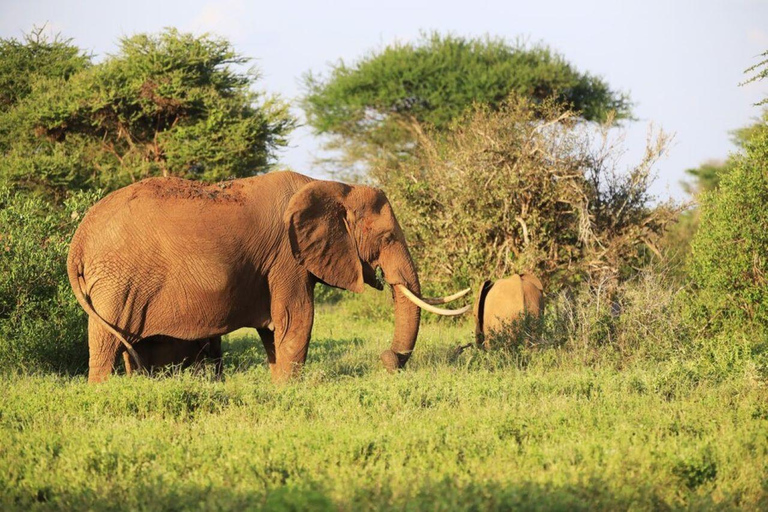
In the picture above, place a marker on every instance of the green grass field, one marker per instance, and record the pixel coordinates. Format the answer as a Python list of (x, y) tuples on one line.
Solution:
[(555, 428)]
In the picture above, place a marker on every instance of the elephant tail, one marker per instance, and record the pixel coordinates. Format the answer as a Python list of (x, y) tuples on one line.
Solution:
[(76, 274), (482, 292)]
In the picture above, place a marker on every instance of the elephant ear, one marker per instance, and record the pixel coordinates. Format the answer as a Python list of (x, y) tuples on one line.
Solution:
[(320, 236), (530, 278)]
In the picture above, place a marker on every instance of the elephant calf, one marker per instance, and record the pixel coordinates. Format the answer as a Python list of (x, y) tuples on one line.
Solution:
[(505, 302), (157, 352)]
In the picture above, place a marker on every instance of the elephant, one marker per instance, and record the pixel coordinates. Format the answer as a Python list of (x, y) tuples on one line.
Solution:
[(505, 301), (192, 260), (157, 352)]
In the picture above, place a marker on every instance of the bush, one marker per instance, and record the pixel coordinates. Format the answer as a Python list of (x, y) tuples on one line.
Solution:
[(639, 318), (42, 327), (729, 259), (166, 104), (524, 188)]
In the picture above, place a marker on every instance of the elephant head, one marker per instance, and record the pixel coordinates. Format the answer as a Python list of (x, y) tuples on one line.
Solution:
[(341, 234)]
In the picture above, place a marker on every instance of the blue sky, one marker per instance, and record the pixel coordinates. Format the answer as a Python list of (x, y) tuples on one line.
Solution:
[(681, 61)]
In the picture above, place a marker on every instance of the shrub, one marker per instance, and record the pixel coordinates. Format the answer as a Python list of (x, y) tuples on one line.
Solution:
[(166, 104), (526, 187), (729, 258), (42, 327), (639, 318)]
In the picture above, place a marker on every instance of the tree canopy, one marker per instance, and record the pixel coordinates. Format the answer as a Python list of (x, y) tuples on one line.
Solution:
[(23, 63), (434, 81), (164, 104)]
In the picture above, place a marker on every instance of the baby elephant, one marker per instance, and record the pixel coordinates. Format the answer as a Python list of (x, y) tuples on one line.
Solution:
[(505, 301), (157, 352)]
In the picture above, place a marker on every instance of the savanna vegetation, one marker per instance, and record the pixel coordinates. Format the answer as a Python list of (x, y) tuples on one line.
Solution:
[(644, 386)]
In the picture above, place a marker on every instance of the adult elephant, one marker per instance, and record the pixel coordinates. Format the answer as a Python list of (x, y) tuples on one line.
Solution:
[(188, 260)]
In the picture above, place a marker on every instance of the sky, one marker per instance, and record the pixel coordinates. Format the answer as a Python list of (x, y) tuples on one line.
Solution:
[(680, 61)]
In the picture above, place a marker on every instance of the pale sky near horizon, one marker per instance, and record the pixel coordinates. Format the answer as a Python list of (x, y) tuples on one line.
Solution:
[(680, 61)]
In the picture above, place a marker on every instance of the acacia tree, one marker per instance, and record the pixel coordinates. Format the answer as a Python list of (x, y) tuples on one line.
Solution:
[(365, 107), (165, 104)]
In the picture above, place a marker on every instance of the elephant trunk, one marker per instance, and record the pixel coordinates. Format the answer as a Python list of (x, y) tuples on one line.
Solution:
[(400, 270)]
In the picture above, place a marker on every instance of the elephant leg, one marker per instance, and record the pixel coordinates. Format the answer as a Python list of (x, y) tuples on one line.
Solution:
[(268, 339), (218, 357), (293, 328), (103, 351)]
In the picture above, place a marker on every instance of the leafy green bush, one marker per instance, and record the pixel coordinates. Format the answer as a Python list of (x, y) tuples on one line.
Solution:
[(36, 57), (729, 258), (164, 104), (42, 327)]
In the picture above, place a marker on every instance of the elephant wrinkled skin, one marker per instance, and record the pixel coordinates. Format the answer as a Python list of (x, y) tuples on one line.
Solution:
[(189, 260), (504, 301)]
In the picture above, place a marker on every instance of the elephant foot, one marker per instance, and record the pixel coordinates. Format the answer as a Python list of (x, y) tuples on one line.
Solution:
[(392, 361)]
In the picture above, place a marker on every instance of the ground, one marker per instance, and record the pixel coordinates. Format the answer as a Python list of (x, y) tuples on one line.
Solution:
[(539, 429)]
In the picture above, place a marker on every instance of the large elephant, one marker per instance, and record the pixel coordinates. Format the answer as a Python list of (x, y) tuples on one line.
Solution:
[(504, 302), (179, 258), (159, 352)]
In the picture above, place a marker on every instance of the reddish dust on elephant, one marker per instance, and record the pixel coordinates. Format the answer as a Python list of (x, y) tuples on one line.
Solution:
[(190, 261)]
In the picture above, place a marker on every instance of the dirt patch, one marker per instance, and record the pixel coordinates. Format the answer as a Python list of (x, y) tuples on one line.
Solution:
[(224, 191)]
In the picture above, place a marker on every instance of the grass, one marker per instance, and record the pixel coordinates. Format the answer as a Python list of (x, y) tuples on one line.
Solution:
[(557, 428)]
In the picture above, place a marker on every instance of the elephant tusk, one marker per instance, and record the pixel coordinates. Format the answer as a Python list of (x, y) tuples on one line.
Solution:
[(432, 309), (444, 300)]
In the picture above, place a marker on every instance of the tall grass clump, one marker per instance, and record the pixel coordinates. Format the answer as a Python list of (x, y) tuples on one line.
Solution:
[(42, 327)]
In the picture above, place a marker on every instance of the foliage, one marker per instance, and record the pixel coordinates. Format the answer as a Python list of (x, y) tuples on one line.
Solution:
[(523, 188), (729, 260), (166, 104), (569, 430), (742, 136), (42, 327), (362, 106), (25, 63), (706, 177), (676, 242), (760, 71)]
